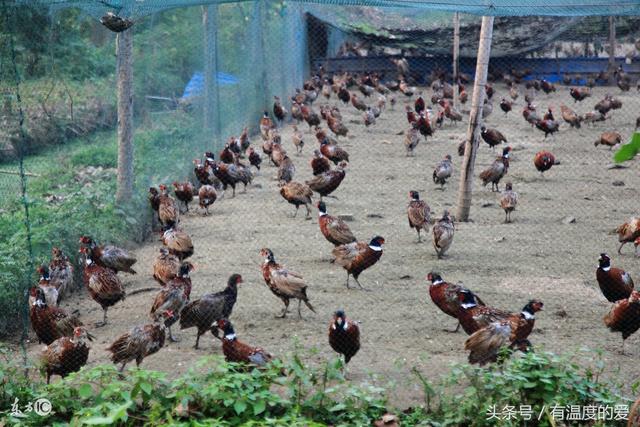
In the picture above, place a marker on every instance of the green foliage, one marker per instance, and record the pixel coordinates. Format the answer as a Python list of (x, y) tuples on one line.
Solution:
[(66, 67), (538, 379), (629, 150), (291, 393), (167, 50), (326, 396), (213, 391)]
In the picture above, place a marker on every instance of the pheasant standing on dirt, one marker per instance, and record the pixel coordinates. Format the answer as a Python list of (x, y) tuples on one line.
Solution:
[(284, 283), (344, 336), (508, 201), (418, 213), (443, 231)]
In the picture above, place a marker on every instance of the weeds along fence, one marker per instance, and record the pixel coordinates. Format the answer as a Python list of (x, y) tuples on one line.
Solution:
[(203, 72)]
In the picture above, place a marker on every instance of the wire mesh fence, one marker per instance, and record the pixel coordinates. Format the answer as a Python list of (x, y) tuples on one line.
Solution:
[(249, 115)]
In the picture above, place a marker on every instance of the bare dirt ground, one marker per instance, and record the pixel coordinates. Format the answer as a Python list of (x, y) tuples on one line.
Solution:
[(538, 255)]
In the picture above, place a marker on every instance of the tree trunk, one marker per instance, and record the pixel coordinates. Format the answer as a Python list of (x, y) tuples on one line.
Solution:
[(456, 54), (475, 119), (211, 109), (124, 70), (612, 50)]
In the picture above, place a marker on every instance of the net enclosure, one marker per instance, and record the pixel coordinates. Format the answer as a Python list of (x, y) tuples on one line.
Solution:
[(327, 188)]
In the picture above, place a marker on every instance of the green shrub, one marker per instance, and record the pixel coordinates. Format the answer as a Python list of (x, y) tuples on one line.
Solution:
[(540, 379), (226, 394), (291, 393)]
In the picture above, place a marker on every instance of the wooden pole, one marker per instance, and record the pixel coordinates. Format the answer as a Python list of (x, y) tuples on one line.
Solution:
[(124, 72), (475, 119), (612, 49), (456, 54), (260, 61), (211, 109)]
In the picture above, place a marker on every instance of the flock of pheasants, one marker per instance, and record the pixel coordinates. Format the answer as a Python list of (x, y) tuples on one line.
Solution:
[(490, 329)]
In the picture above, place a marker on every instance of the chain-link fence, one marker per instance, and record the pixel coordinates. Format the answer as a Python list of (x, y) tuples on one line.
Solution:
[(376, 83)]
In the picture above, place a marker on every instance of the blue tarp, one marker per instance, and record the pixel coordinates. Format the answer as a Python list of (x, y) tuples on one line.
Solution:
[(195, 87)]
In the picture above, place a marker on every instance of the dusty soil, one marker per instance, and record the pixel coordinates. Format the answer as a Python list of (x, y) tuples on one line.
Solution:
[(538, 255)]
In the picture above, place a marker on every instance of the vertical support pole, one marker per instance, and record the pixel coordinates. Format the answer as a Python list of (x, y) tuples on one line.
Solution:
[(211, 108), (264, 87), (124, 72), (612, 49), (475, 119), (456, 46), (456, 54)]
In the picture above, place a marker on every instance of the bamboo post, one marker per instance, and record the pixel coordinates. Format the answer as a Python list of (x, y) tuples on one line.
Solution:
[(124, 71), (260, 60), (612, 49), (475, 119), (211, 108), (456, 54)]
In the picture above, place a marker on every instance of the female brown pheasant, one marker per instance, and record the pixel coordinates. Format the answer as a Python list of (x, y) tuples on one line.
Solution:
[(443, 232), (418, 213), (334, 229), (50, 322), (628, 232), (103, 284), (141, 341), (168, 211), (508, 201), (66, 354), (178, 243), (284, 283), (165, 266), (109, 256), (319, 163), (297, 194), (172, 298)]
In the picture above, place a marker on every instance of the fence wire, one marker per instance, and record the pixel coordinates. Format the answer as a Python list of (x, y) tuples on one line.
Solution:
[(204, 87)]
